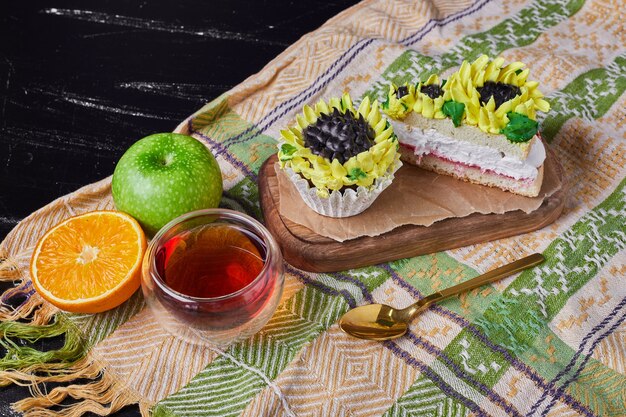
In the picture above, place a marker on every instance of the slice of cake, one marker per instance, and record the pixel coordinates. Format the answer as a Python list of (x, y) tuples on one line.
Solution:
[(479, 125)]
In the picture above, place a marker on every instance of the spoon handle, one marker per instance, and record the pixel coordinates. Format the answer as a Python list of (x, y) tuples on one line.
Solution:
[(487, 277)]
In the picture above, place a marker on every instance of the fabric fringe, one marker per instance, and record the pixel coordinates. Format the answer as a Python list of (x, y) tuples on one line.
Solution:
[(9, 267), (28, 377), (32, 320), (20, 356), (102, 394), (33, 309), (102, 397)]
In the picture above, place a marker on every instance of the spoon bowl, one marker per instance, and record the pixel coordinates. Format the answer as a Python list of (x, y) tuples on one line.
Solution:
[(373, 322), (382, 322)]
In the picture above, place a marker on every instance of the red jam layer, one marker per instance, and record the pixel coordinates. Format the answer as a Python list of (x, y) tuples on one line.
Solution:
[(466, 165)]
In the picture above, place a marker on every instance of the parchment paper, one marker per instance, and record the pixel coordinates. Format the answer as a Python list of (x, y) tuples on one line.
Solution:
[(417, 197)]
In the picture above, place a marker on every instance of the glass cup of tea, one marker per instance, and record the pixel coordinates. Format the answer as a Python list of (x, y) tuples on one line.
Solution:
[(213, 276)]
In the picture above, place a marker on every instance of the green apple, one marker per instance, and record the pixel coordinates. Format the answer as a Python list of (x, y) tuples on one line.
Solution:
[(163, 176)]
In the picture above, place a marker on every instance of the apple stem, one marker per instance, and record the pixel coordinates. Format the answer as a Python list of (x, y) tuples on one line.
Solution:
[(167, 159)]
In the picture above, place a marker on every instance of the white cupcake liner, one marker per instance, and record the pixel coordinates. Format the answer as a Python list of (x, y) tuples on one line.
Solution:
[(345, 203)]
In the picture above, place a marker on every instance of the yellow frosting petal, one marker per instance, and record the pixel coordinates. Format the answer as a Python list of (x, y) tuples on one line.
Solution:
[(522, 76), (337, 169), (309, 115), (321, 107), (433, 79), (334, 103), (364, 108), (351, 163), (380, 127), (374, 117), (386, 134), (346, 102), (302, 122), (366, 181), (418, 106), (366, 161), (478, 65), (429, 107), (288, 136), (542, 105)]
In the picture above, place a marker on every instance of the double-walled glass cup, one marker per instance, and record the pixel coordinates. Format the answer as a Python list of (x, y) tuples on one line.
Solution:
[(216, 320)]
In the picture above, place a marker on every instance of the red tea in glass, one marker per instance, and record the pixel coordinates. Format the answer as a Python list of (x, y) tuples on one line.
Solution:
[(214, 275), (211, 261)]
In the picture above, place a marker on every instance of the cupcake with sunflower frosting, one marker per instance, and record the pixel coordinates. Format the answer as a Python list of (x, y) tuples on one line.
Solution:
[(339, 158), (479, 125)]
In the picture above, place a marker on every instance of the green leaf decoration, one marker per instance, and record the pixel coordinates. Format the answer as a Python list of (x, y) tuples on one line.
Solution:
[(287, 150), (520, 128), (356, 173), (443, 82), (454, 110), (518, 71)]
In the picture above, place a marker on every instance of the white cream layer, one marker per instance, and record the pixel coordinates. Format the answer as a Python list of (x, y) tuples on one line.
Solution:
[(430, 141)]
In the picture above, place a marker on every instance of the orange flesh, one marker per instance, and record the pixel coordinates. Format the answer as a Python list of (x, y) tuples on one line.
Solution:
[(88, 256)]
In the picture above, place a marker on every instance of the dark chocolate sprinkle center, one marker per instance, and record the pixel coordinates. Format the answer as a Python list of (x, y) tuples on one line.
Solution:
[(500, 92), (432, 90), (402, 91), (339, 136)]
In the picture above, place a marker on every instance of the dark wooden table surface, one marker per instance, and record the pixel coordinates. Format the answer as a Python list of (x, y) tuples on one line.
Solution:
[(80, 81)]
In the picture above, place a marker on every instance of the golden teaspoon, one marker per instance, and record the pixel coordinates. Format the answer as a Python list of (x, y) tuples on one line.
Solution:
[(382, 322)]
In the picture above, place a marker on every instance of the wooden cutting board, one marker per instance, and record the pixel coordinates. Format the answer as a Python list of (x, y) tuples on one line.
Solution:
[(307, 250)]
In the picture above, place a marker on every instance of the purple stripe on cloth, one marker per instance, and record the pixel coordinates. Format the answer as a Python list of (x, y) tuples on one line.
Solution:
[(432, 375), (584, 363), (552, 389), (348, 297), (517, 364), (488, 392), (440, 22), (322, 287), (349, 55), (347, 278), (219, 147)]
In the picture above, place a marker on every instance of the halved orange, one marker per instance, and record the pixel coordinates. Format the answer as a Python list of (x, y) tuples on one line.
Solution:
[(89, 263)]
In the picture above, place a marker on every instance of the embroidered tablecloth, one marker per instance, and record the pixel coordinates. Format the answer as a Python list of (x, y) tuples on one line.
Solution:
[(547, 342)]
